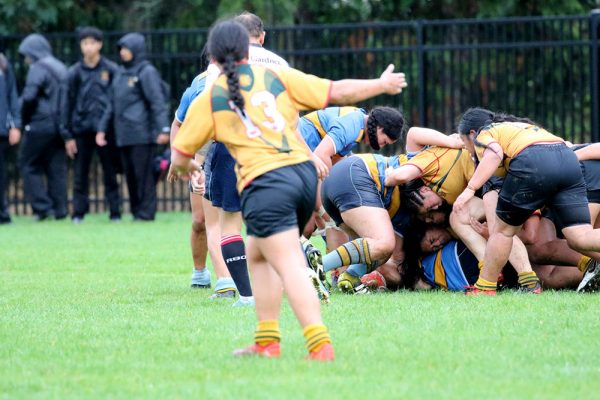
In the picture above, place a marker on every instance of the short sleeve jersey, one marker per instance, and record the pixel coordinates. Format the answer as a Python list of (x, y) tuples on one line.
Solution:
[(196, 87), (446, 171), (262, 137), (345, 126), (513, 137)]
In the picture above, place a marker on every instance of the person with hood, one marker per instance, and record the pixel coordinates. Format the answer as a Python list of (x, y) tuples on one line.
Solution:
[(88, 93), (10, 127), (139, 109), (43, 149)]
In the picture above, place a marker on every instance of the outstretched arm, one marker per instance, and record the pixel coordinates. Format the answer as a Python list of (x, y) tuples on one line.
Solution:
[(349, 91)]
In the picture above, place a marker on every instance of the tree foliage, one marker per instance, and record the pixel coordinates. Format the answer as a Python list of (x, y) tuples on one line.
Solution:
[(23, 16)]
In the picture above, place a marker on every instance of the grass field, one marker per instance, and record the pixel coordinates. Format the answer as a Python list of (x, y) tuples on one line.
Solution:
[(104, 310)]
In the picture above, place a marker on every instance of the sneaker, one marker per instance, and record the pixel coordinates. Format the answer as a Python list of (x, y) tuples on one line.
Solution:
[(5, 221), (537, 289), (225, 294), (115, 218), (473, 291), (77, 220), (200, 279), (322, 291), (244, 302), (315, 262), (270, 350), (325, 353), (591, 278), (348, 282)]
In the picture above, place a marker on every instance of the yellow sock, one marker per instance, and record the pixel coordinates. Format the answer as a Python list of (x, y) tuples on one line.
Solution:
[(316, 336), (480, 264), (267, 332), (584, 263), (482, 284), (528, 279)]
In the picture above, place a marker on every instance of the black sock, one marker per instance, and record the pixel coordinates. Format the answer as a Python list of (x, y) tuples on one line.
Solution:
[(234, 254)]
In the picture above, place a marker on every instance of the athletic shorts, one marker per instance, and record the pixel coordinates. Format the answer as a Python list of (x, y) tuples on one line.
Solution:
[(349, 185), (493, 184), (544, 174), (220, 182), (279, 200), (591, 175)]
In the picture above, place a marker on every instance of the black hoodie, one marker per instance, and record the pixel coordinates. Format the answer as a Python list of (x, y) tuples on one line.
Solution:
[(139, 108), (10, 115), (45, 86)]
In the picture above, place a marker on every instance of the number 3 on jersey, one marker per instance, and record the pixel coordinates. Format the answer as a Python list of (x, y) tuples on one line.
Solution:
[(266, 101)]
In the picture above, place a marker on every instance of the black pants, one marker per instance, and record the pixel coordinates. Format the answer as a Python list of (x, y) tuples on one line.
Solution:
[(86, 145), (138, 164), (44, 168), (4, 217)]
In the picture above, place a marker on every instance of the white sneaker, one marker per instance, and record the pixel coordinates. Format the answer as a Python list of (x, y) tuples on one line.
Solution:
[(591, 278), (244, 302)]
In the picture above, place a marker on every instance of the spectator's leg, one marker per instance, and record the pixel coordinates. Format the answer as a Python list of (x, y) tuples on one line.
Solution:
[(4, 216), (143, 166), (57, 177), (111, 185), (32, 162), (132, 184), (81, 172)]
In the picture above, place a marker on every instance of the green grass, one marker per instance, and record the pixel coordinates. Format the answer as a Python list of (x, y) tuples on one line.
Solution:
[(104, 310)]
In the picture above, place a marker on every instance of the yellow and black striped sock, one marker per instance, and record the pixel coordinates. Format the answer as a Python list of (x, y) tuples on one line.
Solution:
[(316, 336), (584, 263), (267, 332), (528, 279), (482, 284)]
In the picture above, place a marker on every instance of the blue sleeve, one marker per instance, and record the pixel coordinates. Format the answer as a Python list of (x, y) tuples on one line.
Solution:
[(345, 131), (184, 104)]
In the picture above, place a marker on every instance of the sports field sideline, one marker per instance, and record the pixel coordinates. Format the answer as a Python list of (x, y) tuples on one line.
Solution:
[(104, 310)]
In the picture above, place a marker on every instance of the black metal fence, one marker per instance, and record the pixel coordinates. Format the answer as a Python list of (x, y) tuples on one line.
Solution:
[(545, 68)]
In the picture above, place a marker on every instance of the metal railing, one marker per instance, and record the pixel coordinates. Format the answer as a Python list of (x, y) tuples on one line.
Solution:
[(545, 68)]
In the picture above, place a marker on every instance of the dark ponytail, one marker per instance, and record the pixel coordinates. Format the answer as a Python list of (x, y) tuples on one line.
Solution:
[(389, 119), (228, 43), (476, 119)]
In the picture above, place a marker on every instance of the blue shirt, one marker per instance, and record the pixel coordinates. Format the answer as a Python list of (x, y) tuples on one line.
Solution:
[(196, 87), (343, 125)]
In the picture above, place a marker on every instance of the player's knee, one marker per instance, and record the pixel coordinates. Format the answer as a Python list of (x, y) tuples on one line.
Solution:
[(198, 225)]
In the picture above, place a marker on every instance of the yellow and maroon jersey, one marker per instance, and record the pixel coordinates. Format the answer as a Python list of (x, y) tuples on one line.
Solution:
[(513, 137), (446, 171), (262, 137)]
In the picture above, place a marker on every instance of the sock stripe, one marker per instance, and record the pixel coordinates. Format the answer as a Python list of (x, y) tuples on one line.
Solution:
[(366, 251), (344, 257), (230, 239)]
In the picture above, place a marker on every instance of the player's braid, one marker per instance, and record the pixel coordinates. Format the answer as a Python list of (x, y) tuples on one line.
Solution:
[(233, 82), (372, 131)]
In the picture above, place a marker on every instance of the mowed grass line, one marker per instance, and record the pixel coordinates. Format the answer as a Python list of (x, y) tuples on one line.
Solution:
[(104, 310)]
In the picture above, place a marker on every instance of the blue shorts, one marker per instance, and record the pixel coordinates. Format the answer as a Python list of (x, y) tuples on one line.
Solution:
[(349, 185), (221, 180), (279, 200)]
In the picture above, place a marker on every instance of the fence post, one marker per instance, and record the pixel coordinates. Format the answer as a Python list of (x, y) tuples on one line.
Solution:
[(420, 26), (594, 72)]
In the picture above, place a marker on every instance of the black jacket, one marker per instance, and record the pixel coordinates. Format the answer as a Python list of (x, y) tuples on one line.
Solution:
[(88, 97), (45, 87), (139, 108), (10, 115)]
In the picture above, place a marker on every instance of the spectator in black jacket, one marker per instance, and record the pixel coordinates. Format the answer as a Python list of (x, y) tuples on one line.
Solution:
[(10, 127), (42, 148), (139, 111), (88, 95)]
